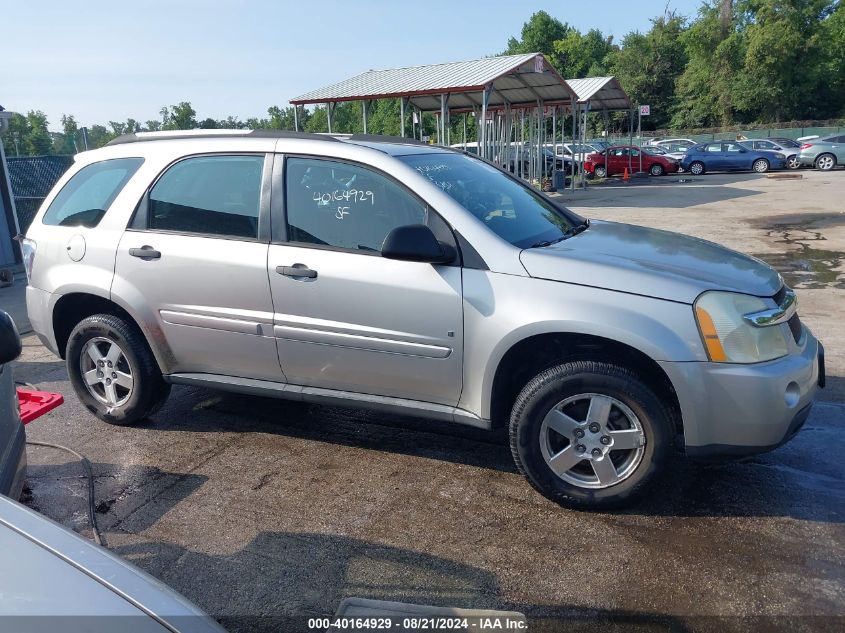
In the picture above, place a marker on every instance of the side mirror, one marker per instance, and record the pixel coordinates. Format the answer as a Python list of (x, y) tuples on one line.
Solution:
[(416, 243), (10, 340)]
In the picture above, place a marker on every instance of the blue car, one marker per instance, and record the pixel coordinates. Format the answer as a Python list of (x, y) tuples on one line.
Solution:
[(730, 156)]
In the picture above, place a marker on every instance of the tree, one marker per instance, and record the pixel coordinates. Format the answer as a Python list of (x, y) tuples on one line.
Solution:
[(539, 35), (578, 55), (181, 116), (777, 81), (704, 91), (648, 65), (67, 142)]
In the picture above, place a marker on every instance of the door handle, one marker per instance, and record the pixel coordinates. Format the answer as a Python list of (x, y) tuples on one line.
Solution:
[(297, 270), (145, 252)]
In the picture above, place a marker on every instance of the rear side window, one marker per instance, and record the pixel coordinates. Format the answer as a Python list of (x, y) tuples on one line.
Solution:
[(210, 195), (86, 197)]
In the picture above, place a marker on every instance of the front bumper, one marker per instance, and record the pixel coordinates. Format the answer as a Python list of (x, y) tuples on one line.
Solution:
[(733, 410)]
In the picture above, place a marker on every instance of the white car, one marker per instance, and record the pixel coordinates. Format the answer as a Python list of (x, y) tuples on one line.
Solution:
[(680, 142)]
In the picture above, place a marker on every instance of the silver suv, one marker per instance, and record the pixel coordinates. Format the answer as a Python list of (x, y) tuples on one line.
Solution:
[(416, 280)]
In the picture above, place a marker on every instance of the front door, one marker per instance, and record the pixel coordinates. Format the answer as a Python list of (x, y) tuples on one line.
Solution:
[(195, 259), (346, 318)]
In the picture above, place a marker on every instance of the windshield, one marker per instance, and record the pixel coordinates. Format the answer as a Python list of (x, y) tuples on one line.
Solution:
[(513, 211)]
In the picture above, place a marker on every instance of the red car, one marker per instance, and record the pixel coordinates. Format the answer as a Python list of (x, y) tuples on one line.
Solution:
[(615, 159)]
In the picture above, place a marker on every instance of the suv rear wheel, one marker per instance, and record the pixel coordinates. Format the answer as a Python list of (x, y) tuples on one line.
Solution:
[(589, 434), (113, 371)]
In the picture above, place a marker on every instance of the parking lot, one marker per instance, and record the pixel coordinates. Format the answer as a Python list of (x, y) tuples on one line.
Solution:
[(258, 509)]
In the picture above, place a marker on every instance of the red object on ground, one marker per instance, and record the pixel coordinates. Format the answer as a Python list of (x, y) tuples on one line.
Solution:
[(34, 404)]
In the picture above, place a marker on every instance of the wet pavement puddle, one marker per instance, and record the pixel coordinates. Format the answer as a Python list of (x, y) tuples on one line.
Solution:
[(803, 264)]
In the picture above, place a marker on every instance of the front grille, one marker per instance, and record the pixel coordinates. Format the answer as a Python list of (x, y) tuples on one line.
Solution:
[(795, 327), (778, 298)]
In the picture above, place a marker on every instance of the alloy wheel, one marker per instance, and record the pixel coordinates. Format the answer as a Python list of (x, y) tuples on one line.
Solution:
[(825, 162), (106, 371), (592, 441)]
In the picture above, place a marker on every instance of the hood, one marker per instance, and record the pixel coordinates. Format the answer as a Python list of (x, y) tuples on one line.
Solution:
[(649, 262)]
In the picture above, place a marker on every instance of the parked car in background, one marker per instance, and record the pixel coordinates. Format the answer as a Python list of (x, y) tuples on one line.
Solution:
[(522, 157), (670, 151), (55, 580), (823, 153), (730, 156), (786, 147), (577, 151), (676, 143), (616, 159), (12, 434)]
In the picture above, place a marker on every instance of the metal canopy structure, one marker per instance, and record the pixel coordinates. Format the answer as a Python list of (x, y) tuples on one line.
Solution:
[(602, 93), (510, 79), (512, 97)]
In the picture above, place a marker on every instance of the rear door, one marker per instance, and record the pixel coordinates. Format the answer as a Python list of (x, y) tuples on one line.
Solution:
[(346, 318), (195, 257), (737, 157)]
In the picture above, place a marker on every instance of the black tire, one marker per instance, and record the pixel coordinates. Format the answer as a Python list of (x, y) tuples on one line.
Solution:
[(792, 162), (656, 170), (600, 171), (554, 385), (148, 392), (697, 168), (760, 166), (825, 162)]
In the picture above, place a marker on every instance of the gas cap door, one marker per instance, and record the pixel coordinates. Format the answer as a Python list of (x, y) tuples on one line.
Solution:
[(76, 248)]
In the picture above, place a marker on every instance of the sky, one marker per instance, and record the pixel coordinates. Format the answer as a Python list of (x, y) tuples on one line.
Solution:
[(111, 60)]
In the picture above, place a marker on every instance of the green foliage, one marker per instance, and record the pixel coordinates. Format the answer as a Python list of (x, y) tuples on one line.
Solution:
[(539, 35), (648, 65)]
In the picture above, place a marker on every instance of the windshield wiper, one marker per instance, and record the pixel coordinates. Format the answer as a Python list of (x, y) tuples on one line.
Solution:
[(575, 230)]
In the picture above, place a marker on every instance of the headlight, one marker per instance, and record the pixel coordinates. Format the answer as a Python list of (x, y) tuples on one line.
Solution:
[(728, 337)]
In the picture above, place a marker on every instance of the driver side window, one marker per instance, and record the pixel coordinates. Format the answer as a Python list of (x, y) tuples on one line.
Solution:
[(342, 205)]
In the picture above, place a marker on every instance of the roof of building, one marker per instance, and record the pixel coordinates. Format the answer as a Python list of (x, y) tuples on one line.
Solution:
[(602, 93), (515, 79)]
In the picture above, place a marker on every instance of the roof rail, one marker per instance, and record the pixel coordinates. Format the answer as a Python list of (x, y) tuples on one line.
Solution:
[(383, 138), (167, 135)]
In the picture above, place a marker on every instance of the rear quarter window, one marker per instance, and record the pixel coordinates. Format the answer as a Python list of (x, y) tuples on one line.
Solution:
[(86, 197)]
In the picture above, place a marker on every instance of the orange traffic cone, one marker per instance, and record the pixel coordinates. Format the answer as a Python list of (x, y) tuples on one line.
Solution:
[(626, 177)]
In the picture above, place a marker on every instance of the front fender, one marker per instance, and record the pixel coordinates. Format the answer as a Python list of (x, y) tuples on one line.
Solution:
[(502, 310)]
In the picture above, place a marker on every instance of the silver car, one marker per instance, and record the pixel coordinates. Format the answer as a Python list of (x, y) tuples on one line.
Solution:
[(417, 280), (54, 580), (823, 153), (12, 433)]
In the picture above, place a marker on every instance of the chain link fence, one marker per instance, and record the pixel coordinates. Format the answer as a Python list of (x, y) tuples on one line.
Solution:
[(32, 179)]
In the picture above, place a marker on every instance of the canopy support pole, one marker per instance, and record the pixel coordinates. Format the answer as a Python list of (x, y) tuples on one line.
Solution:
[(485, 100), (329, 112), (364, 109), (402, 116), (296, 118)]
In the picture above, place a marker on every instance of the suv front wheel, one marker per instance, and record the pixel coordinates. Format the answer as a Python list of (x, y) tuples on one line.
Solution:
[(589, 434), (113, 371)]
